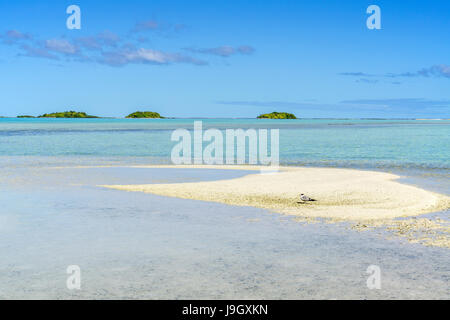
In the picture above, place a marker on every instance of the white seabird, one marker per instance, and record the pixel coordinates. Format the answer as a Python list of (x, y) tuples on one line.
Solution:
[(305, 198)]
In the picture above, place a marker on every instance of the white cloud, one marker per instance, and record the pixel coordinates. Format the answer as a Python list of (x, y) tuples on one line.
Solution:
[(123, 57), (61, 46)]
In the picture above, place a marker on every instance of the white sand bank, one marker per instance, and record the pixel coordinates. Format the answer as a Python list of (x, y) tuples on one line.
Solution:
[(342, 194)]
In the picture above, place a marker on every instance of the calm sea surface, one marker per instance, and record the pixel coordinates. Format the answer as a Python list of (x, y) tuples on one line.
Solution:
[(132, 245), (359, 143)]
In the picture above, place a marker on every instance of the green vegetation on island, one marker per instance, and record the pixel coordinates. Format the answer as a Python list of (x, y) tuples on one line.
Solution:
[(277, 115), (21, 117), (144, 115), (67, 114)]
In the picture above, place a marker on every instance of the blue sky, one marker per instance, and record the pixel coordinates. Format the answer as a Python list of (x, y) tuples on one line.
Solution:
[(226, 58)]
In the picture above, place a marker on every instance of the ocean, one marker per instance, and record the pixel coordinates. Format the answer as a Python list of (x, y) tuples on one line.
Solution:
[(358, 143), (54, 214)]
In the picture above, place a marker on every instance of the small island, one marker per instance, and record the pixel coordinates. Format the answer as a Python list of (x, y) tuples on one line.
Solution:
[(67, 114), (144, 115), (277, 115), (22, 117)]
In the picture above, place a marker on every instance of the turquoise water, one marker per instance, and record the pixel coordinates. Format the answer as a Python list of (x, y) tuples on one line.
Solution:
[(141, 246), (345, 143)]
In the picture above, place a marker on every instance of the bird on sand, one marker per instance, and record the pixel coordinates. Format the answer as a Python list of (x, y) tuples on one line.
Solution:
[(305, 198)]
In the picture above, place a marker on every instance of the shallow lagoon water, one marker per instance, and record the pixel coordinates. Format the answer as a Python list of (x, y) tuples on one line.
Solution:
[(349, 143), (135, 245), (143, 246)]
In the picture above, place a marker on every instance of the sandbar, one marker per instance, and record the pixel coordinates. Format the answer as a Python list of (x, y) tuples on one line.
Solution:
[(342, 194)]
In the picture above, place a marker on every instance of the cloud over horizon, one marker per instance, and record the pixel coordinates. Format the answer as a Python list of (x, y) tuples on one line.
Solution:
[(110, 49), (155, 26), (99, 41), (12, 37), (146, 56), (224, 51), (396, 108), (61, 46), (437, 71), (414, 102)]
